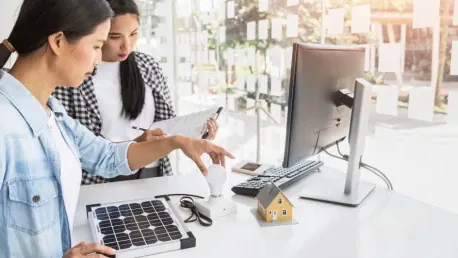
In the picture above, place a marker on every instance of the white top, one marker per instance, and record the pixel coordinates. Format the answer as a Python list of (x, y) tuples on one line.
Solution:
[(116, 127), (70, 171), (386, 225)]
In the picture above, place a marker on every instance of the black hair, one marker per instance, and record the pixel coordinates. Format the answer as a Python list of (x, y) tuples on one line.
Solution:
[(132, 84), (40, 18)]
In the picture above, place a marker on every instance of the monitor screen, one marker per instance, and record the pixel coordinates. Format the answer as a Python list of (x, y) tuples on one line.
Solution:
[(314, 121)]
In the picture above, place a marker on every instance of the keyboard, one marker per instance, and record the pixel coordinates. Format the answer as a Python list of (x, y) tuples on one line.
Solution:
[(281, 177)]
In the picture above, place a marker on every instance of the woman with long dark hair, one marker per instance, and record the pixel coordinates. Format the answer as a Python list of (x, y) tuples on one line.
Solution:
[(42, 149), (128, 89)]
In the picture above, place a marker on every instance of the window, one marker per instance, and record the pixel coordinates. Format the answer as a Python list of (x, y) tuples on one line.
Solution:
[(285, 212), (280, 200), (270, 212), (213, 60)]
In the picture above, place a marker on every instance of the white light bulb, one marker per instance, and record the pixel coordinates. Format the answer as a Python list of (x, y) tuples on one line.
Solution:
[(216, 178)]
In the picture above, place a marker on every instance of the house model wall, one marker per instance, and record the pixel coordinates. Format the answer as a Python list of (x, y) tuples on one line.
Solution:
[(273, 205)]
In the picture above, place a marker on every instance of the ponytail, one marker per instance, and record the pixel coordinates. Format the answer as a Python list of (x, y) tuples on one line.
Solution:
[(132, 84), (132, 88), (6, 49)]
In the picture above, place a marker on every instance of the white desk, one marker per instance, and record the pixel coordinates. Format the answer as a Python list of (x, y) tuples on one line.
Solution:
[(386, 225)]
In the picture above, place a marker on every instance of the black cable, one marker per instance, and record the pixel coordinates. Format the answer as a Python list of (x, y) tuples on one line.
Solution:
[(372, 169), (188, 203), (316, 144), (180, 194), (386, 180), (375, 171), (335, 156), (346, 159), (338, 149)]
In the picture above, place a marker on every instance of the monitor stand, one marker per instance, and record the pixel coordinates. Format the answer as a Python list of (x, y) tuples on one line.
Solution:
[(348, 191), (331, 190)]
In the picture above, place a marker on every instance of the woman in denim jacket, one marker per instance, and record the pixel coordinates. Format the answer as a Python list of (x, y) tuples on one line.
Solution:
[(42, 149)]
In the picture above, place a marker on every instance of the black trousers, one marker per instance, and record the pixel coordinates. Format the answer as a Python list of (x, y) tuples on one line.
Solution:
[(142, 173)]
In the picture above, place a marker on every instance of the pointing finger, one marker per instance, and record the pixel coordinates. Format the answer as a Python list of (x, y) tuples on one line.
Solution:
[(200, 165), (214, 157), (223, 160)]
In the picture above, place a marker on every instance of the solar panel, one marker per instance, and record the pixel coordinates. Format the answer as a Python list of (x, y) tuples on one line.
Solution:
[(138, 228)]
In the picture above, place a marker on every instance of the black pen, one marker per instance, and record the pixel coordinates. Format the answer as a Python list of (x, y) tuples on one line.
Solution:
[(139, 128)]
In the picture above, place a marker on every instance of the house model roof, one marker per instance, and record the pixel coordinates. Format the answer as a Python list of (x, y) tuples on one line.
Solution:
[(268, 193)]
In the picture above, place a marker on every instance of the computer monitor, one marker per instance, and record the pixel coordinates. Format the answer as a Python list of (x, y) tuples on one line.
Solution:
[(314, 121), (327, 102)]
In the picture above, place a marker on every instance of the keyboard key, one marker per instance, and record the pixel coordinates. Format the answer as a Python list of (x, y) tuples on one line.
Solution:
[(282, 177)]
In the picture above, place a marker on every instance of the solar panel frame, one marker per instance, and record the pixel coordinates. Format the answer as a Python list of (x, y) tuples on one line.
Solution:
[(157, 228)]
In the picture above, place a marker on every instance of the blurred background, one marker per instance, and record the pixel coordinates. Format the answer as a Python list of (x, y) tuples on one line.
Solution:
[(219, 52)]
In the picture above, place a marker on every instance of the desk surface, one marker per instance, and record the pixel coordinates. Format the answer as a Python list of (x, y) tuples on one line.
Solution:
[(387, 224)]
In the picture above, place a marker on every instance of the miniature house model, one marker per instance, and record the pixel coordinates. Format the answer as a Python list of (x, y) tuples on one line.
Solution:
[(273, 205)]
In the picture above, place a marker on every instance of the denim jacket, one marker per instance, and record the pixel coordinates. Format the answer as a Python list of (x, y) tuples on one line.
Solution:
[(33, 219)]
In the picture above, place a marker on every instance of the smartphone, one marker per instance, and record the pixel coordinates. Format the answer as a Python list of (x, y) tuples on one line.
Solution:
[(214, 116), (250, 168)]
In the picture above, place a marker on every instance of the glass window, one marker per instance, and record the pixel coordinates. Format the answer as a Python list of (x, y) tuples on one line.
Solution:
[(237, 54)]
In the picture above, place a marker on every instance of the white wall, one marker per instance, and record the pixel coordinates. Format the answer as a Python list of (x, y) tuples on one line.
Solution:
[(8, 14)]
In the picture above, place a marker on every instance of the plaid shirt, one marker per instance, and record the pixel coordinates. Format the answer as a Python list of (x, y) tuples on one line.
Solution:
[(81, 104)]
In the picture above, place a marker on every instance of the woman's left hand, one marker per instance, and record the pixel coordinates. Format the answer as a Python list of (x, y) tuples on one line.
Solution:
[(212, 126), (151, 135)]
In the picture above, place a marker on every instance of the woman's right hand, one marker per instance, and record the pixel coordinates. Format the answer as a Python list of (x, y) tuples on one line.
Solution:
[(86, 250), (193, 148)]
